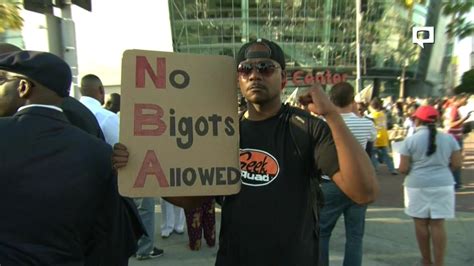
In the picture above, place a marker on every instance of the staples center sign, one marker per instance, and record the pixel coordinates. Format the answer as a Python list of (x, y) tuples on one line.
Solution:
[(302, 77)]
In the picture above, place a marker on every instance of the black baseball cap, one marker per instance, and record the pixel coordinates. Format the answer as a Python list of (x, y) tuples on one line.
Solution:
[(8, 48), (45, 68), (274, 52)]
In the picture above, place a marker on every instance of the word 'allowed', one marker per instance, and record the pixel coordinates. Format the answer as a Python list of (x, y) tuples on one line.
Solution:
[(185, 176)]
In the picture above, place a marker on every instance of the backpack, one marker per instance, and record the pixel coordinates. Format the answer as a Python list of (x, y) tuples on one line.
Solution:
[(299, 128)]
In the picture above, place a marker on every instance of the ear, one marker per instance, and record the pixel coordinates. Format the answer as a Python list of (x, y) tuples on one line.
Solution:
[(24, 89), (101, 90), (283, 79)]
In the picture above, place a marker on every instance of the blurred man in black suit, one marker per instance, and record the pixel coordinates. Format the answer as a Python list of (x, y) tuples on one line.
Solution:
[(57, 184), (75, 111)]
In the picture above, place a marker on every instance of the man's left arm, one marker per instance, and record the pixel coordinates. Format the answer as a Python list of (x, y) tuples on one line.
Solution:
[(356, 175)]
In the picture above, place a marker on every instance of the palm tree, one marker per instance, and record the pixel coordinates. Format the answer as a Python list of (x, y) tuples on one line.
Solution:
[(10, 18)]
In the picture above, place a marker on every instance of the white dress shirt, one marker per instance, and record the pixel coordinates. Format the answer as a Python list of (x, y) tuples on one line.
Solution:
[(41, 105), (108, 121)]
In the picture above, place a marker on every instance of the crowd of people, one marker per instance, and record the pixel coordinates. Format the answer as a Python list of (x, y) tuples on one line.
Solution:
[(338, 145), (395, 121), (430, 135), (431, 163)]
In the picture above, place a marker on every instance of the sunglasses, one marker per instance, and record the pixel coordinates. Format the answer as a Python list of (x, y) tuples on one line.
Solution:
[(266, 68)]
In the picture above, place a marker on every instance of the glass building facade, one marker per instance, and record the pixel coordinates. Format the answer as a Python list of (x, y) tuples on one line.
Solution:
[(317, 36)]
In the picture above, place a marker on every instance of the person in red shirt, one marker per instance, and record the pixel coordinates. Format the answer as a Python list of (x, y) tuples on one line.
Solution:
[(453, 124)]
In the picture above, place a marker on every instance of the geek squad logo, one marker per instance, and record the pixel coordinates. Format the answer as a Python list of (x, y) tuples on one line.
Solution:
[(257, 168)]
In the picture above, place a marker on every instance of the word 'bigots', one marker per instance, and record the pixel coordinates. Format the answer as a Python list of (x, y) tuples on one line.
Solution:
[(185, 176), (148, 122)]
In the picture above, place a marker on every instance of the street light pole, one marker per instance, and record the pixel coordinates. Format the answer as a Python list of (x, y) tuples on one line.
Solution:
[(403, 79), (245, 21), (358, 21), (68, 33), (61, 32)]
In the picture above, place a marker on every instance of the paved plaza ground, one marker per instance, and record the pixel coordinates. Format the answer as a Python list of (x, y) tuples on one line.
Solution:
[(389, 238)]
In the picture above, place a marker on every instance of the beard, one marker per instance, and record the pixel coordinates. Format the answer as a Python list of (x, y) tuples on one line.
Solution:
[(261, 98)]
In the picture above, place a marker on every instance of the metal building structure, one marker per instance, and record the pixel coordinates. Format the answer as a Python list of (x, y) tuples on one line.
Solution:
[(317, 36)]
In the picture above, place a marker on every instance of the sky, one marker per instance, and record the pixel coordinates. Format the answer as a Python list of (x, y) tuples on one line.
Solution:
[(105, 33)]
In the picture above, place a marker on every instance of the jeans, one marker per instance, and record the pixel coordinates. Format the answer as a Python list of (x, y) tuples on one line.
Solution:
[(146, 210), (382, 154), (337, 203)]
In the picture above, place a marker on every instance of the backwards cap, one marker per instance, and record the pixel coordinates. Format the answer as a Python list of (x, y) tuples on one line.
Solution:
[(274, 52)]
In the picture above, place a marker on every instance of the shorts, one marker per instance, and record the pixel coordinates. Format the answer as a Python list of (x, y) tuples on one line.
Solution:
[(430, 202)]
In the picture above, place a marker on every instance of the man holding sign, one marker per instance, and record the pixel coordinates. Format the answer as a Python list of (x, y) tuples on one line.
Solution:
[(273, 219)]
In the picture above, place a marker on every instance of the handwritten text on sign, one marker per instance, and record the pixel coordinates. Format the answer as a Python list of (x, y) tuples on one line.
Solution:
[(161, 119)]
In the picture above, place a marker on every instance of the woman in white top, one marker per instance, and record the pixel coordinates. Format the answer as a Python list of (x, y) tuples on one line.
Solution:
[(426, 158)]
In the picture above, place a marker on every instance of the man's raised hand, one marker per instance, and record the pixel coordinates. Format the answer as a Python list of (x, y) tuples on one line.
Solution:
[(316, 100)]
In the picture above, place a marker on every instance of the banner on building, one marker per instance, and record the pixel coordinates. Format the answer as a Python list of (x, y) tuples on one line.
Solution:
[(179, 122)]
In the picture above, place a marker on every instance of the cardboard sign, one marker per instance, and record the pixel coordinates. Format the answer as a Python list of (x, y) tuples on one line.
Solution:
[(179, 122)]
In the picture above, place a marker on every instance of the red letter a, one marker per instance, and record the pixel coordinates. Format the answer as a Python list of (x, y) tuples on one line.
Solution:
[(151, 166), (142, 65)]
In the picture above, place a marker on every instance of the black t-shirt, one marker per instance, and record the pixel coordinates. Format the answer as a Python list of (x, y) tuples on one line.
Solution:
[(270, 221)]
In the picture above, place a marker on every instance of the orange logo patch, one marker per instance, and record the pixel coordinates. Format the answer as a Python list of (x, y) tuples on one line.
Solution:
[(257, 168)]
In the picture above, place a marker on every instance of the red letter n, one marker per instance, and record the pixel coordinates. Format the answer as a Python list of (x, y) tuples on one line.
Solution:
[(142, 66), (152, 120), (150, 166)]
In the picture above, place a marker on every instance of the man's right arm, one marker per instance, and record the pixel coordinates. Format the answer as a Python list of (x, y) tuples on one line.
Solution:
[(356, 175), (120, 159)]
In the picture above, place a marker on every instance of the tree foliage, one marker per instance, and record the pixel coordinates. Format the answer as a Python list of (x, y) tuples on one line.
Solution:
[(459, 26), (10, 15), (467, 83)]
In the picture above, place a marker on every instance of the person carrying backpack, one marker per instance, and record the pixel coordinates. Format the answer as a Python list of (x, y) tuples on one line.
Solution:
[(273, 219)]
